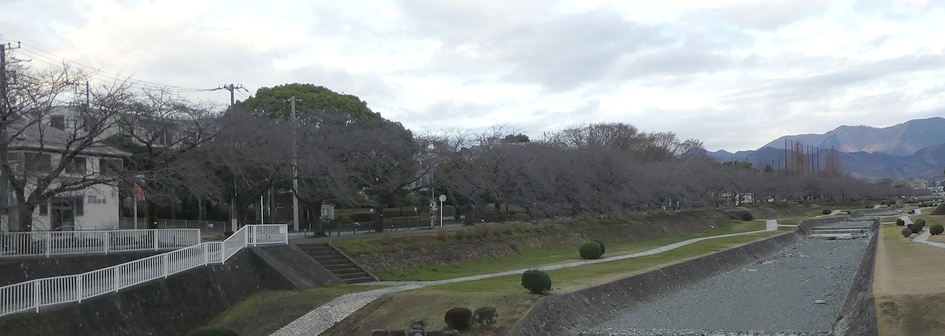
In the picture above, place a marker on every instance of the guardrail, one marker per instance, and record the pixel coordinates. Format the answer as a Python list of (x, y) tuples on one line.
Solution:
[(35, 294), (54, 243)]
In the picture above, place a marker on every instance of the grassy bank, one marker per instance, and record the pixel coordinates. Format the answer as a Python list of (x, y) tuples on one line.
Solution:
[(268, 311), (542, 257), (909, 286), (394, 311)]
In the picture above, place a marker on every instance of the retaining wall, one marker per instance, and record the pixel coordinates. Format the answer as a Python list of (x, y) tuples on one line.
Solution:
[(172, 306), (572, 313), (24, 269), (857, 317)]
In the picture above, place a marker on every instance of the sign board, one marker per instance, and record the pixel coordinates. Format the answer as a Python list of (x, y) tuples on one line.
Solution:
[(328, 211)]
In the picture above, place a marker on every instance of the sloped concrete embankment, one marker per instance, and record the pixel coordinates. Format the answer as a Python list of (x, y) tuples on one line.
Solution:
[(571, 313), (25, 269), (858, 315), (175, 305)]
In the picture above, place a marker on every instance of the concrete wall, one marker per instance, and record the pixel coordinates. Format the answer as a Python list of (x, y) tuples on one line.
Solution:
[(857, 317), (25, 269), (171, 306), (574, 312)]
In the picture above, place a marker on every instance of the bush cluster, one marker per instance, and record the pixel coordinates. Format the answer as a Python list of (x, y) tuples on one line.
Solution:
[(485, 316), (917, 226), (746, 216), (936, 229), (591, 250), (906, 232), (536, 281), (900, 222), (458, 318), (827, 211)]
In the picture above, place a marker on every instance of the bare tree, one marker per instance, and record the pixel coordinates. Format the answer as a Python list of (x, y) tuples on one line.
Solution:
[(46, 133)]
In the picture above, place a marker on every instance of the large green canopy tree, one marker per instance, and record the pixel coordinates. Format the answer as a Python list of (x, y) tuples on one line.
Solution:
[(345, 152)]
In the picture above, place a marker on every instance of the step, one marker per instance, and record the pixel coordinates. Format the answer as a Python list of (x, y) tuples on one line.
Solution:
[(332, 261), (347, 271), (342, 268), (359, 280)]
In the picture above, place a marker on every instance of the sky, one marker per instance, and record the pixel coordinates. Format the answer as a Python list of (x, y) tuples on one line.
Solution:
[(733, 74)]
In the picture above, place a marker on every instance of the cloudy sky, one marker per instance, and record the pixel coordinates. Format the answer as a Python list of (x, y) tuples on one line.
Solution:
[(734, 74)]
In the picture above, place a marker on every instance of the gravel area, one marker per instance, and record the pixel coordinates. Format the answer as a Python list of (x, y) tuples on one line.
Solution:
[(796, 292)]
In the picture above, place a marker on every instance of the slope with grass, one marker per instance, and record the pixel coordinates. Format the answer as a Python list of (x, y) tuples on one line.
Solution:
[(394, 311), (909, 285), (266, 312), (392, 254)]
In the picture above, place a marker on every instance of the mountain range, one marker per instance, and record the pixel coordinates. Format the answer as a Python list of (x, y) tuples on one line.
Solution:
[(911, 150)]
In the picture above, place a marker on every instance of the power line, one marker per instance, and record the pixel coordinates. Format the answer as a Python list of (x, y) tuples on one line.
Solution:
[(52, 59)]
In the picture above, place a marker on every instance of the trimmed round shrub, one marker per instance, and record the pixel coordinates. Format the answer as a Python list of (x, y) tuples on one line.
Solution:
[(920, 221), (900, 222), (458, 318), (916, 228), (536, 281), (746, 216), (485, 316), (213, 332), (906, 232), (827, 211), (936, 229), (590, 250)]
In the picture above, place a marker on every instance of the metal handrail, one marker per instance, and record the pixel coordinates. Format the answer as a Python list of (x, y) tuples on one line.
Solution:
[(35, 294), (57, 243)]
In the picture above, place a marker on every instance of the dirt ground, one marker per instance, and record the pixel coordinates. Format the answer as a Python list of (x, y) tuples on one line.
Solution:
[(909, 285)]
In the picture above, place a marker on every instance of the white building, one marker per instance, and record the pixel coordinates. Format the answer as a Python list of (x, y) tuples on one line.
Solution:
[(91, 204)]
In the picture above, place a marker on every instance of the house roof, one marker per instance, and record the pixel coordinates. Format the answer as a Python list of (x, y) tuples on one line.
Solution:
[(42, 137)]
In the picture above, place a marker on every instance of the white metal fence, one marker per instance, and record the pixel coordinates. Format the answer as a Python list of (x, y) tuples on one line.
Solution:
[(54, 243), (35, 294)]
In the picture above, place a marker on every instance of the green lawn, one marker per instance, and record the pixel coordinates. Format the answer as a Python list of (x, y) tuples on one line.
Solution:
[(265, 312), (551, 256)]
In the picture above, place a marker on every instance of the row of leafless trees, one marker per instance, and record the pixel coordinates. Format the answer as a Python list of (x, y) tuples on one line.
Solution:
[(341, 152)]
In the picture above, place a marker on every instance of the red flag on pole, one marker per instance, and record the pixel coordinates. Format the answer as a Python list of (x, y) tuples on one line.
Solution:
[(139, 193)]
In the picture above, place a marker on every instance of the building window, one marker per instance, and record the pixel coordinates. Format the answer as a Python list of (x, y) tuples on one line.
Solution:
[(57, 121), (78, 203), (109, 166), (77, 166), (43, 209), (38, 162)]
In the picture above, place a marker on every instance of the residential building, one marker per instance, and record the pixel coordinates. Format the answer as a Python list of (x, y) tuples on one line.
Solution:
[(85, 201)]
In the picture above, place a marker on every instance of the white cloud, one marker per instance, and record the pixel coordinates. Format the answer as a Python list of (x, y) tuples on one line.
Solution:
[(734, 74)]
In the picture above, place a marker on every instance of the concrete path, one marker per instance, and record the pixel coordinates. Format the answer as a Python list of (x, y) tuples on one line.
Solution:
[(322, 318)]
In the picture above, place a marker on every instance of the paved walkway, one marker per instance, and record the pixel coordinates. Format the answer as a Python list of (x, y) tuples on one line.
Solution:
[(322, 318), (924, 236)]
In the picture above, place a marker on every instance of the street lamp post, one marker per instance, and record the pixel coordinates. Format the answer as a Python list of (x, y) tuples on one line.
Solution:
[(442, 199)]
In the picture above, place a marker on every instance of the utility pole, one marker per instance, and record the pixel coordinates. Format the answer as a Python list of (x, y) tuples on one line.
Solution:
[(5, 115), (295, 168), (232, 88), (234, 222)]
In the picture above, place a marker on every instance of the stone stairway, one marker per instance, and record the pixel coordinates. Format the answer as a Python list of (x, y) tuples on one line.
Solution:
[(337, 263), (842, 230)]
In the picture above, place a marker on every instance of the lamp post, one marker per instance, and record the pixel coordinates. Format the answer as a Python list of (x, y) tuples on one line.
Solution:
[(442, 199)]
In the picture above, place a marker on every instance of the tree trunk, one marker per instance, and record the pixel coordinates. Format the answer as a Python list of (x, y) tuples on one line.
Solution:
[(499, 218), (378, 218), (151, 210), (468, 220), (21, 218)]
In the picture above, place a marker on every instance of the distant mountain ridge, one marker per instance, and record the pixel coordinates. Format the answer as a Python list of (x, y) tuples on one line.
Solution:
[(906, 151), (899, 140)]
